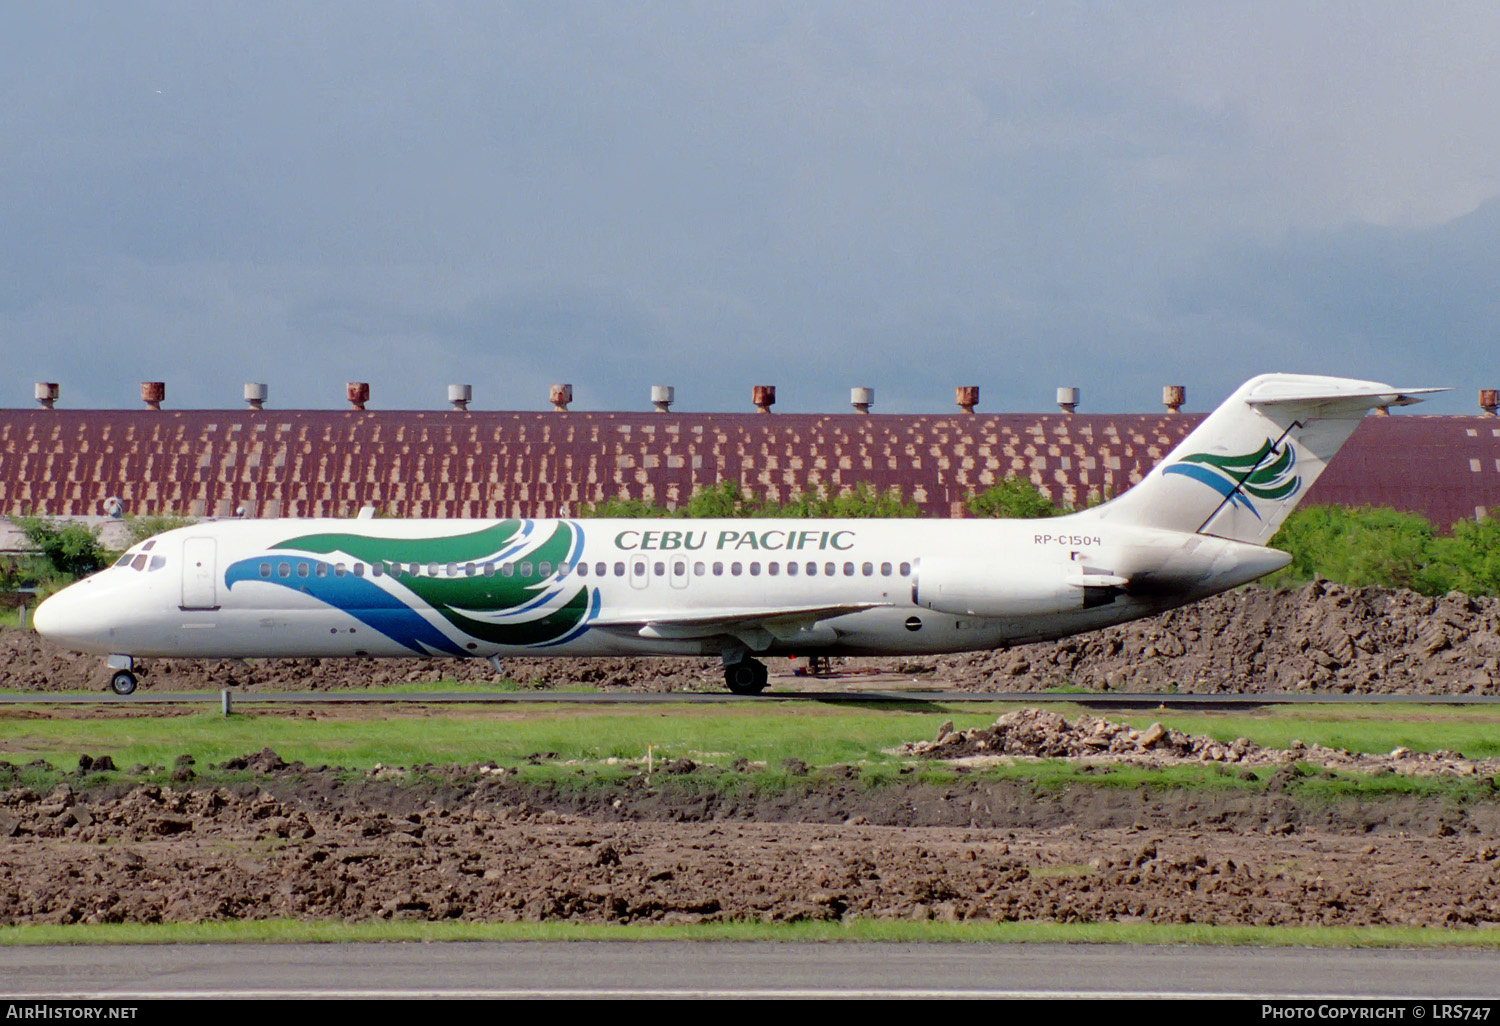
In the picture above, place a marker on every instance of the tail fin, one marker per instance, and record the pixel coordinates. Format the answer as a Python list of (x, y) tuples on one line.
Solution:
[(1245, 468)]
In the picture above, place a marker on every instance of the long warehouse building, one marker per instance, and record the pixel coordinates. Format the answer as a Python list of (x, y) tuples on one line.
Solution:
[(460, 463)]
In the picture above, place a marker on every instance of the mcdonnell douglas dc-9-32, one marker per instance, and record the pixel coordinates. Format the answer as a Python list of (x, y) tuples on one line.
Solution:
[(1196, 525)]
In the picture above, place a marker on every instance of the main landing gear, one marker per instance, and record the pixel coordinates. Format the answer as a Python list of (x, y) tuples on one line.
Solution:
[(123, 680), (746, 677)]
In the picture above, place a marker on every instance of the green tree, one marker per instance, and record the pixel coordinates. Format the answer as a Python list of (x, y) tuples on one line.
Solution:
[(1359, 547), (149, 525), (1468, 560), (862, 500), (1013, 498), (622, 508), (725, 499), (64, 550)]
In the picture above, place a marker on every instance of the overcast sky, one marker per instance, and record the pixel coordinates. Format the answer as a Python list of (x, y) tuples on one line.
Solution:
[(815, 195)]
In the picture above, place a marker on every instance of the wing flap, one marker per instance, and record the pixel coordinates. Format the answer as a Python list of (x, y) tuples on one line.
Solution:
[(757, 627)]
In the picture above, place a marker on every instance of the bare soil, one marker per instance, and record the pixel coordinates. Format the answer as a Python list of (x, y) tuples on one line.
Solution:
[(472, 843)]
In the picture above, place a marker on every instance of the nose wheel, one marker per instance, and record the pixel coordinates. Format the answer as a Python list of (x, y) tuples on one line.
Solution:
[(123, 682), (746, 677)]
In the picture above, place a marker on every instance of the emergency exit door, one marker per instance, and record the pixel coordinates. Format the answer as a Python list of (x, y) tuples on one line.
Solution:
[(199, 573)]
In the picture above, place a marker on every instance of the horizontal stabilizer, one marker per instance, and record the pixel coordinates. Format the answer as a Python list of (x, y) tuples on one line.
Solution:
[(1282, 393), (1247, 465)]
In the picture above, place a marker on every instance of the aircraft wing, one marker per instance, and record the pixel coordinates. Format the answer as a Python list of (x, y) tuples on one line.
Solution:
[(757, 628)]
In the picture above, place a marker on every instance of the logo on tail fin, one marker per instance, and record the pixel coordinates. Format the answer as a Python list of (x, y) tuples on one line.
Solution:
[(1250, 474)]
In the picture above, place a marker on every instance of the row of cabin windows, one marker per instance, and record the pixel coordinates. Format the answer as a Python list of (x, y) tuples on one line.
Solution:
[(544, 569)]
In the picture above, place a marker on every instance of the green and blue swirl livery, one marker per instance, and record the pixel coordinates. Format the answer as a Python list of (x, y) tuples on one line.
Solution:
[(1249, 474), (527, 609)]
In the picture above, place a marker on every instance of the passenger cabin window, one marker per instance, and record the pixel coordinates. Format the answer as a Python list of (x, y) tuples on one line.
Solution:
[(265, 569), (283, 569), (905, 569), (619, 569), (544, 569)]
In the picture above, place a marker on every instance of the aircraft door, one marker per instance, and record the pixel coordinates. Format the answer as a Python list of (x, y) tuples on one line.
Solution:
[(199, 574)]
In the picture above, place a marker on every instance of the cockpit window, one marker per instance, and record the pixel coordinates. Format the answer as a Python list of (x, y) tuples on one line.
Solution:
[(149, 545), (157, 562), (139, 563), (124, 560)]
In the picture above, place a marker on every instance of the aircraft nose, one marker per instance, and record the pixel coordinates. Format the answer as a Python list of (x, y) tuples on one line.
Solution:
[(49, 618), (60, 618)]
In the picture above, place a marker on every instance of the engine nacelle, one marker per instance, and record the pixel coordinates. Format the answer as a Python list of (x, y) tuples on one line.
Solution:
[(1001, 588)]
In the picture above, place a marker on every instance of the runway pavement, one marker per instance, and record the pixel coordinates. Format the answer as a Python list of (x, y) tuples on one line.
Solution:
[(625, 969)]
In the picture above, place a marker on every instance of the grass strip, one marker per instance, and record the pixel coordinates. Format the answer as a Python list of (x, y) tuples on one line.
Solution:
[(289, 931)]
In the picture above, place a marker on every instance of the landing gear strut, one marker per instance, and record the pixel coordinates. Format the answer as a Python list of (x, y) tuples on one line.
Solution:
[(746, 677)]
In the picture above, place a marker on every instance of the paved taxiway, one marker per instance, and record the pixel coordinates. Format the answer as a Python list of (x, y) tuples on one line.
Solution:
[(708, 969)]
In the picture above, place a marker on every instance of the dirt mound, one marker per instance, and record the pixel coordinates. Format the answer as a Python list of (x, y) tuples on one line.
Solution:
[(1321, 637), (320, 845), (1044, 734)]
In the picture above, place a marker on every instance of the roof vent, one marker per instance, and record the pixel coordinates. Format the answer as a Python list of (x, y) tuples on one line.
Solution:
[(1173, 396), (256, 393), (459, 396), (358, 393), (967, 397), (560, 396), (153, 394), (1489, 400), (662, 397), (46, 393), (764, 397), (862, 399), (1067, 399)]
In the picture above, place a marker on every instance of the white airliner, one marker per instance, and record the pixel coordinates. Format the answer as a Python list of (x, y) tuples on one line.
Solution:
[(1196, 525)]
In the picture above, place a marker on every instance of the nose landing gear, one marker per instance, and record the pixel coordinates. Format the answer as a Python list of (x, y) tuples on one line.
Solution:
[(123, 680)]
